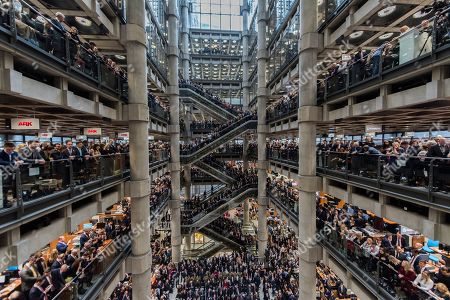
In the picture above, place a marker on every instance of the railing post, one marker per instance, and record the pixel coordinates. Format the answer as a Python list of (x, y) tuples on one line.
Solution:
[(102, 170), (379, 173), (19, 194), (431, 180), (12, 21), (71, 176)]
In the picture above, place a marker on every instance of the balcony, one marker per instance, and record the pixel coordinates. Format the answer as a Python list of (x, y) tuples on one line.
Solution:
[(38, 189)]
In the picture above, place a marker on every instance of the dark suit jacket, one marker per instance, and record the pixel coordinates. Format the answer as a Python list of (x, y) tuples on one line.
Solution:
[(4, 158), (56, 265), (435, 151), (58, 280), (36, 294)]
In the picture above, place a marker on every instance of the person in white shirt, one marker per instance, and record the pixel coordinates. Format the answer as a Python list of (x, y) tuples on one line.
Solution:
[(423, 281)]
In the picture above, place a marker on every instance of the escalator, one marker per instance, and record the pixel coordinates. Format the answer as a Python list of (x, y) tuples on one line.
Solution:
[(206, 103), (205, 251), (214, 172), (226, 135), (229, 241), (205, 217)]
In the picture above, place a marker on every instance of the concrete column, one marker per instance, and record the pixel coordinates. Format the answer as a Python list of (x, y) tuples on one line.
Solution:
[(309, 115), (262, 128), (430, 226), (187, 182), (185, 38), (138, 117), (174, 131)]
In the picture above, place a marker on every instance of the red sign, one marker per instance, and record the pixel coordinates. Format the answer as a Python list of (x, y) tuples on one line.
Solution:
[(25, 123), (93, 131)]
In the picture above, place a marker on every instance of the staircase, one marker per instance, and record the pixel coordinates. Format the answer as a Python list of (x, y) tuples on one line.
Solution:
[(214, 172), (227, 240), (205, 251), (205, 102), (204, 218), (227, 134)]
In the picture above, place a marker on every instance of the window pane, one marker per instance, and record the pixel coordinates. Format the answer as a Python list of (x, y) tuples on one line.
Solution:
[(204, 21), (225, 22), (236, 23)]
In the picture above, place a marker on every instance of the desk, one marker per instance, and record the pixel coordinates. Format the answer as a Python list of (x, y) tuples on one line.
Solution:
[(12, 286)]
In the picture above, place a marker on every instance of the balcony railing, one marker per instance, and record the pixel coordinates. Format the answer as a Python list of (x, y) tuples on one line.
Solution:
[(33, 188), (431, 38)]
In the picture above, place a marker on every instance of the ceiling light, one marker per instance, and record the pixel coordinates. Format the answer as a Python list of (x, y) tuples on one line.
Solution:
[(356, 34), (387, 11), (386, 36)]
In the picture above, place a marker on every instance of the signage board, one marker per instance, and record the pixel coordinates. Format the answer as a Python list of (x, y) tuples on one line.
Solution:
[(25, 123)]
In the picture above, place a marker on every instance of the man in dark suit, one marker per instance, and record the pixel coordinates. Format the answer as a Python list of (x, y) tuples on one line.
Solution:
[(387, 242), (58, 278), (441, 169), (399, 240), (58, 262), (9, 161)]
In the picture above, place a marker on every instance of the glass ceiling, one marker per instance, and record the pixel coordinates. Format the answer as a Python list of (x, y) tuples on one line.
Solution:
[(216, 14)]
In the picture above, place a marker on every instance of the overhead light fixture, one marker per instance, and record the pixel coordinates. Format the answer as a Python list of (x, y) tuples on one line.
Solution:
[(387, 11), (356, 34)]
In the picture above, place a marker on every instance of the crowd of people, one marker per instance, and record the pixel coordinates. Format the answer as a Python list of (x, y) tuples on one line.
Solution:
[(404, 268), (45, 277), (190, 147), (286, 104), (284, 190), (199, 206), (183, 83), (401, 160), (228, 228), (123, 289), (283, 149), (158, 107), (160, 190), (55, 35), (366, 64), (58, 161)]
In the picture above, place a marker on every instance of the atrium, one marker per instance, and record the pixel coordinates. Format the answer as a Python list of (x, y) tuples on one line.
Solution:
[(224, 149)]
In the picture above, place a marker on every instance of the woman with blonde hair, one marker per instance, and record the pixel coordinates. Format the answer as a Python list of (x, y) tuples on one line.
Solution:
[(423, 281), (441, 290)]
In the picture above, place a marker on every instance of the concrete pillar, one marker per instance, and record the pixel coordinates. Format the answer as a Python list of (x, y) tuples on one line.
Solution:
[(174, 131), (350, 194), (187, 182), (430, 226), (309, 115), (262, 129), (185, 38), (138, 117), (380, 207)]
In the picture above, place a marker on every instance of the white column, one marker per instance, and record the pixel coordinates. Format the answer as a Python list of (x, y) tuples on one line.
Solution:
[(138, 117), (309, 183), (262, 129), (174, 131)]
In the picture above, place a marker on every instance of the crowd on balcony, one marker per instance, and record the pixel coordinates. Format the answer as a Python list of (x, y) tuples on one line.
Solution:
[(70, 264), (286, 105), (284, 190), (54, 35), (123, 289), (160, 191), (207, 94), (200, 205), (330, 286), (366, 64), (198, 143), (57, 162), (283, 149), (157, 106), (400, 160), (158, 151), (415, 268)]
